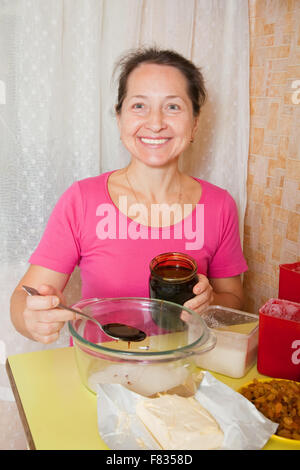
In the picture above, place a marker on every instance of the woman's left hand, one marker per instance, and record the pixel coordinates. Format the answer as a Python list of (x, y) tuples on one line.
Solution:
[(204, 295), (226, 291)]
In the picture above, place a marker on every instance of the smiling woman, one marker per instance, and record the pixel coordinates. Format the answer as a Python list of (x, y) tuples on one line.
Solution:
[(156, 121), (159, 101)]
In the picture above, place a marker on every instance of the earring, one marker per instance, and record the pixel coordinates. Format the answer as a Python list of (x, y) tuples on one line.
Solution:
[(192, 140)]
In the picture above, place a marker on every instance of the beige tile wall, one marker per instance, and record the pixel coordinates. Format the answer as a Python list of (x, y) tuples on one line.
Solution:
[(272, 222)]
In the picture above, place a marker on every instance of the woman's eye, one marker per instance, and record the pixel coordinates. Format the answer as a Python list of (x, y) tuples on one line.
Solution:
[(173, 107), (138, 106)]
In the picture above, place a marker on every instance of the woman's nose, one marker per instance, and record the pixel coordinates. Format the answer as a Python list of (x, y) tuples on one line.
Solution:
[(155, 120)]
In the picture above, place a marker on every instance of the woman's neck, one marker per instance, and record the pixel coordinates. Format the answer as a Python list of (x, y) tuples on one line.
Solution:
[(155, 185), (166, 188)]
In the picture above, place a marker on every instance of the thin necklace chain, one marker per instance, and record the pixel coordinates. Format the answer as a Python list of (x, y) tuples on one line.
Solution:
[(133, 191), (130, 187)]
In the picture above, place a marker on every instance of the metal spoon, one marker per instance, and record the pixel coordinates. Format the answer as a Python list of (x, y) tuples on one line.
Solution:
[(114, 330)]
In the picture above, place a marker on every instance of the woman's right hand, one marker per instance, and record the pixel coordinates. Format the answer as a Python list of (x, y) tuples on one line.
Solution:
[(42, 320)]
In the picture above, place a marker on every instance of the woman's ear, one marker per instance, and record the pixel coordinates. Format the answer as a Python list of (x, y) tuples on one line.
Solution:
[(118, 117), (195, 127)]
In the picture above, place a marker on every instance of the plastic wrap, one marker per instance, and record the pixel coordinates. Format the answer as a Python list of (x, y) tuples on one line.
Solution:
[(244, 427)]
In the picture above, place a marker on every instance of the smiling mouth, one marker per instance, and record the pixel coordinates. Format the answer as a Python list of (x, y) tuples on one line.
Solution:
[(153, 141)]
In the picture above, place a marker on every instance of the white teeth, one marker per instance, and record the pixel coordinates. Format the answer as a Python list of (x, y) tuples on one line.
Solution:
[(153, 141)]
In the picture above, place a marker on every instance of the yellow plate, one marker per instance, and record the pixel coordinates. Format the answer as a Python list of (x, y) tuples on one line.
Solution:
[(276, 442)]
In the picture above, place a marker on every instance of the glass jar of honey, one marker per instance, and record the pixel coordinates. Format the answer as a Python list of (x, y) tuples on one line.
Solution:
[(172, 278)]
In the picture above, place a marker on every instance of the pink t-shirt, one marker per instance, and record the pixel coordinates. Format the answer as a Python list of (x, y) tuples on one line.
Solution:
[(113, 252)]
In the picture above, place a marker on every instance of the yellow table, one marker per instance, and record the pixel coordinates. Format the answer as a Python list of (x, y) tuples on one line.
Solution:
[(56, 410)]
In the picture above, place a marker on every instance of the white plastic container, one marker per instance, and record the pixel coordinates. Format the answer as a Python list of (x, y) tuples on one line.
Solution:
[(237, 341)]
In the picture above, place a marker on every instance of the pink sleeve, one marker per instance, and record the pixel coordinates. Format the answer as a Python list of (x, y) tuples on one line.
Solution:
[(228, 259), (59, 248)]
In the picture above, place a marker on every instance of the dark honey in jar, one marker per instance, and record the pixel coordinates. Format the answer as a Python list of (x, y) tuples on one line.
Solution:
[(172, 278)]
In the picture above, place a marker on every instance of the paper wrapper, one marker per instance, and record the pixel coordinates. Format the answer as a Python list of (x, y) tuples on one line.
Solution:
[(244, 427)]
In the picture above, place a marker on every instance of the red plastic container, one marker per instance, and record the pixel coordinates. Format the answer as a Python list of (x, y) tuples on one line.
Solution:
[(279, 339), (289, 282)]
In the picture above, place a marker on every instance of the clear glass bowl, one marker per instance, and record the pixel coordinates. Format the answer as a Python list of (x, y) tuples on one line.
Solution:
[(162, 361)]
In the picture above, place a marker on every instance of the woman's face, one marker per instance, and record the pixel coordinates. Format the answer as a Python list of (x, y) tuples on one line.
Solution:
[(156, 121)]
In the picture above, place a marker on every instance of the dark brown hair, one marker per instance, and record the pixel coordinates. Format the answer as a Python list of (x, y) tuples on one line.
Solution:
[(195, 82)]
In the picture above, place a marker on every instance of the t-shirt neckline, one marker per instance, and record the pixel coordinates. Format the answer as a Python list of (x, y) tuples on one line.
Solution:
[(167, 227)]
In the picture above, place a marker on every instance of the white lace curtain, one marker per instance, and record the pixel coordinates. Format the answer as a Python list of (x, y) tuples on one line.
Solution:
[(57, 123)]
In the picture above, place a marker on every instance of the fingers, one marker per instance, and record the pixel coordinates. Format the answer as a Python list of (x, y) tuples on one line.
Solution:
[(47, 329), (41, 318), (41, 331), (41, 302), (203, 295), (46, 289), (45, 325), (48, 339), (50, 316), (202, 285)]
